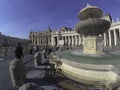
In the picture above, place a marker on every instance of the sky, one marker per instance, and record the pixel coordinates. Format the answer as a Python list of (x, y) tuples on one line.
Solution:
[(19, 17)]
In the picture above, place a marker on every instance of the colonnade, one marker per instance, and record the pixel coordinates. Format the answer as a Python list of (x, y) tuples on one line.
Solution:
[(68, 40), (112, 37), (39, 40)]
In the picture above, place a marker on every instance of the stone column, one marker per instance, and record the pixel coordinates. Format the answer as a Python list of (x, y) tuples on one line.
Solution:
[(75, 39), (43, 40), (37, 40), (29, 39), (79, 39), (119, 37), (52, 40), (115, 38), (57, 40), (72, 40), (69, 40), (40, 40), (109, 38), (62, 37), (82, 37), (32, 39), (49, 40), (65, 39), (105, 41)]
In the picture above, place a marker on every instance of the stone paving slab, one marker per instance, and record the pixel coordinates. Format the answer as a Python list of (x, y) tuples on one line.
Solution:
[(45, 83), (36, 76), (5, 80)]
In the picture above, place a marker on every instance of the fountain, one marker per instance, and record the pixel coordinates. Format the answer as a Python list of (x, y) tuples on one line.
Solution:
[(91, 26), (92, 66)]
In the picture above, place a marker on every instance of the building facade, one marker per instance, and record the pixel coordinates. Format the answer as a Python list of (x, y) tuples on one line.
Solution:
[(40, 38), (11, 41), (66, 36), (112, 37), (69, 37)]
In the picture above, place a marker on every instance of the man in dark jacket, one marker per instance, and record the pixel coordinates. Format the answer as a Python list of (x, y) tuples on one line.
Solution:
[(19, 51)]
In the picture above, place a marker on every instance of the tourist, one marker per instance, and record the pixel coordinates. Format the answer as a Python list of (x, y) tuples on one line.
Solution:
[(36, 48), (19, 51), (6, 50), (31, 51)]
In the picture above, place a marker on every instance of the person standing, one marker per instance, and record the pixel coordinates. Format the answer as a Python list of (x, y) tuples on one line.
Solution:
[(31, 51), (19, 51)]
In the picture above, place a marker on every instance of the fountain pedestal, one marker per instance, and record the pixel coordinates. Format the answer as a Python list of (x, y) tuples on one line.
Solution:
[(92, 45)]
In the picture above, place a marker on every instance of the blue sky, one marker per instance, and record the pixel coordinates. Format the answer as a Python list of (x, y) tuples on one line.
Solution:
[(19, 17)]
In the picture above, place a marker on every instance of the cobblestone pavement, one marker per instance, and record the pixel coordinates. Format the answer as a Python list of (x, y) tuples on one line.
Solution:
[(33, 75), (43, 79), (5, 80)]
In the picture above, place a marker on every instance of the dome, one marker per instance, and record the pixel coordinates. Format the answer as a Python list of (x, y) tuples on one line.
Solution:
[(90, 12)]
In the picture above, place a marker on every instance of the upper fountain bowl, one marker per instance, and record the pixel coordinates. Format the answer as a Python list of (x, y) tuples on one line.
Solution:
[(90, 12), (92, 27)]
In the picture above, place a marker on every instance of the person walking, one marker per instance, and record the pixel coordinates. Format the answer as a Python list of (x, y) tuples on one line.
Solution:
[(19, 51)]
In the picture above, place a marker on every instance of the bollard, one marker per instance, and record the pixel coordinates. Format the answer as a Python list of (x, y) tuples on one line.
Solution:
[(17, 73), (30, 86)]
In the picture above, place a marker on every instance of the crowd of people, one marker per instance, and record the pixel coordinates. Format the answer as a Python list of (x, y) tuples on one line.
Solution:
[(21, 50)]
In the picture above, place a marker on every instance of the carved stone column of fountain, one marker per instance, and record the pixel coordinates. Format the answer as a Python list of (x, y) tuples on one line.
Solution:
[(91, 26)]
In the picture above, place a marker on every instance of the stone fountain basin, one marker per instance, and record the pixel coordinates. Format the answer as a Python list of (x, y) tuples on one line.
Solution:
[(94, 26), (109, 58), (90, 12), (91, 69)]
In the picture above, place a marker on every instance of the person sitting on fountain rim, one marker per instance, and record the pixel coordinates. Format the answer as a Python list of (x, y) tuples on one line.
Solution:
[(19, 51)]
